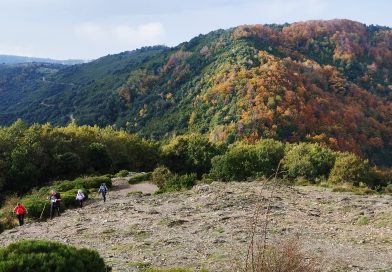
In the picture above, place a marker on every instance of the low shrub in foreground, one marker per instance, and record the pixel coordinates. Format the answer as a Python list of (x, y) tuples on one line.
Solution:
[(49, 256), (285, 257)]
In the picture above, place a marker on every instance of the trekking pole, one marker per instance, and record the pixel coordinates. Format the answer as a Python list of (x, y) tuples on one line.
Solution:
[(42, 212)]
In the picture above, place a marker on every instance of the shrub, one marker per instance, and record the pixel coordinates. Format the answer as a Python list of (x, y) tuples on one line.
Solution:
[(122, 174), (238, 163), (243, 161), (269, 154), (7, 217), (189, 154), (286, 257), (160, 175), (99, 157), (86, 183), (388, 189), (35, 206), (310, 161), (49, 256), (179, 182), (68, 199), (169, 182), (67, 163), (64, 185), (351, 169), (139, 177), (92, 182)]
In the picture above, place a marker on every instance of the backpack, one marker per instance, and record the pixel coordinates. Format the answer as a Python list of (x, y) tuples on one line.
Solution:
[(103, 189), (80, 196), (58, 197)]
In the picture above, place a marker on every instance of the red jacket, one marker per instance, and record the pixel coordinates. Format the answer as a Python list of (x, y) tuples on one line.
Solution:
[(20, 209)]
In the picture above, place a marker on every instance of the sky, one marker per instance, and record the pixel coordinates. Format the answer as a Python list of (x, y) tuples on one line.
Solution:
[(88, 29)]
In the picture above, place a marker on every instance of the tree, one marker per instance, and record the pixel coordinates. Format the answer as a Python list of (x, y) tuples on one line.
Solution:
[(99, 157)]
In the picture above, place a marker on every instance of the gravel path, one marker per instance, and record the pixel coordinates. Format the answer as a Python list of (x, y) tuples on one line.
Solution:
[(209, 226)]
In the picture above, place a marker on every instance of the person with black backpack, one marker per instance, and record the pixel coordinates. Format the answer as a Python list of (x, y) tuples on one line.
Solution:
[(103, 190), (54, 203)]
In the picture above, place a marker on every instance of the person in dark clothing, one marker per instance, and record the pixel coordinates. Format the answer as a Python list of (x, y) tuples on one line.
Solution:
[(103, 190), (54, 203), (20, 212)]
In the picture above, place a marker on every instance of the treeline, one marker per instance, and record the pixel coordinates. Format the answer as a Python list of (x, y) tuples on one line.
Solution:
[(33, 155), (301, 162)]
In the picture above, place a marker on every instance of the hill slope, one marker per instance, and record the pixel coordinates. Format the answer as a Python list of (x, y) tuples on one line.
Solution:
[(322, 81), (209, 226)]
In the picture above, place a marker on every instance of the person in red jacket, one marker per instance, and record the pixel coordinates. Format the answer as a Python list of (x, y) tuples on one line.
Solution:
[(20, 212)]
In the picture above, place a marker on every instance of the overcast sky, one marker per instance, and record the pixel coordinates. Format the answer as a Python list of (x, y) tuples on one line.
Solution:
[(87, 29)]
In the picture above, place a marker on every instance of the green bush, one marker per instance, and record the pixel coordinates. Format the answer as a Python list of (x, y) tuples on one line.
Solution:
[(139, 177), (243, 161), (122, 174), (35, 206), (310, 161), (351, 169), (49, 256), (189, 154), (64, 185), (169, 182), (160, 175), (68, 199), (269, 154), (238, 163), (92, 182), (179, 182), (67, 163)]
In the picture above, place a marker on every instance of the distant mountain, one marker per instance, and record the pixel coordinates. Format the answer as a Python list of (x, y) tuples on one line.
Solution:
[(318, 81), (9, 59)]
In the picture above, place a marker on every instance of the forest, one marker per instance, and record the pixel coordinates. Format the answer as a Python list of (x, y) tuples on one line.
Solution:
[(325, 82)]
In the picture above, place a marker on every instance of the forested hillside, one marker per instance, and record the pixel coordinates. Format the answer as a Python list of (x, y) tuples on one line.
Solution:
[(318, 81)]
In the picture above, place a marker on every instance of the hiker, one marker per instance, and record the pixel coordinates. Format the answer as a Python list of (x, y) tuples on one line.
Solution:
[(103, 190), (80, 198), (54, 203), (20, 212)]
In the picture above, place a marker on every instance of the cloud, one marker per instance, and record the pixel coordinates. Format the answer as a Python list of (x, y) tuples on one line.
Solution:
[(121, 35)]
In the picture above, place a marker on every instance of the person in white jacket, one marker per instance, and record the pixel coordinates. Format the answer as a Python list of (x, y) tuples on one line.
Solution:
[(80, 197)]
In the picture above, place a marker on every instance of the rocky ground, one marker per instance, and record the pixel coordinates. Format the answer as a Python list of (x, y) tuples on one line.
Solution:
[(209, 226)]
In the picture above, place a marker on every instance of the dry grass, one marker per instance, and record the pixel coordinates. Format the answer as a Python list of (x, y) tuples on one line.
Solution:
[(287, 256)]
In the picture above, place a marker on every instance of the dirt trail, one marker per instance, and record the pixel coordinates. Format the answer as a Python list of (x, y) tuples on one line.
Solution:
[(123, 188), (208, 226)]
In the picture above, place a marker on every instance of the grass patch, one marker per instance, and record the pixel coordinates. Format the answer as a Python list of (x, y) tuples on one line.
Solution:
[(220, 230), (363, 220), (135, 193), (353, 189)]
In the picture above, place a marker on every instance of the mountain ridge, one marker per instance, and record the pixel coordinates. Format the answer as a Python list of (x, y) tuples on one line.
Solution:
[(13, 59), (319, 81)]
